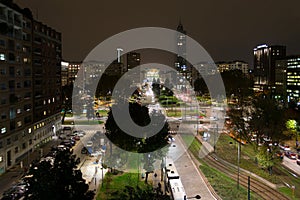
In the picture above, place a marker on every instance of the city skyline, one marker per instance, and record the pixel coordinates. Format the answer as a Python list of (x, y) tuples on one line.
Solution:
[(227, 30)]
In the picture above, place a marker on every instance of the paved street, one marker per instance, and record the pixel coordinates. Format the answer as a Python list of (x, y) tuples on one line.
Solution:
[(191, 178), (292, 165)]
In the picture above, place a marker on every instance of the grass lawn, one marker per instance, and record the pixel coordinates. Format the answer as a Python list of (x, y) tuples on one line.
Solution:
[(225, 187), (173, 113), (226, 149), (114, 183), (102, 113), (280, 175), (133, 161), (194, 145)]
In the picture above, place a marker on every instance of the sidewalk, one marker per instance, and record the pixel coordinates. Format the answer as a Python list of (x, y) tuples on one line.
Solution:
[(93, 173)]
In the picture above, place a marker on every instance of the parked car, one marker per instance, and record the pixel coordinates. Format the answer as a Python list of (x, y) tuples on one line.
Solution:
[(291, 155), (76, 137), (285, 147), (67, 144), (84, 150), (62, 137), (89, 144)]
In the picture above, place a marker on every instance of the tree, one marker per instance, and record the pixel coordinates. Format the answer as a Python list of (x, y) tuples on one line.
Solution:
[(57, 178), (140, 115), (237, 83), (200, 86), (151, 147), (267, 118), (265, 159), (67, 92)]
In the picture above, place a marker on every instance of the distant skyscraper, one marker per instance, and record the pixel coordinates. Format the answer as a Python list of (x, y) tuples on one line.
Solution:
[(133, 60), (180, 61), (264, 64)]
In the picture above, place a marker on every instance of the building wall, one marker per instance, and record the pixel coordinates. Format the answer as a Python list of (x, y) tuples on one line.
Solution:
[(264, 64), (293, 79), (232, 65), (22, 75)]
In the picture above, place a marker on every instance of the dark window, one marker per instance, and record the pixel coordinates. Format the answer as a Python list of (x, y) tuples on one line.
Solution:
[(27, 84), (12, 71), (11, 57), (2, 43), (27, 119), (2, 71), (11, 45), (3, 101), (11, 84), (3, 86), (27, 72)]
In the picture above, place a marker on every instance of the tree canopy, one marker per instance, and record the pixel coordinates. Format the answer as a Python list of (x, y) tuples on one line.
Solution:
[(58, 179), (140, 115)]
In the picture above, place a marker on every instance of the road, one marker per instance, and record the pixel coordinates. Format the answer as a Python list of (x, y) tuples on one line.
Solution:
[(291, 165), (191, 178)]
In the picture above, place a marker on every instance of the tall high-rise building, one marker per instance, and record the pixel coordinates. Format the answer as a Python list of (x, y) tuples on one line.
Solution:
[(181, 64), (133, 60), (264, 64), (30, 54), (293, 79)]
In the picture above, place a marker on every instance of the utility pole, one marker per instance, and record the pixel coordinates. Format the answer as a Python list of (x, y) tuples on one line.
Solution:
[(238, 164)]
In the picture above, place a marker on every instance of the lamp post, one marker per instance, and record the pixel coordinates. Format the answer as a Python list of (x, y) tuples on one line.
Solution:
[(238, 160)]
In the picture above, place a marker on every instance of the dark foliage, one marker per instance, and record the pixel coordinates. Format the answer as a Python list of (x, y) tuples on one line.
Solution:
[(57, 180)]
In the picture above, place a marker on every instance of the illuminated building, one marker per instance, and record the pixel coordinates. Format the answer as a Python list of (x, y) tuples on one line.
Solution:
[(232, 65), (30, 54), (264, 64), (69, 72), (293, 79)]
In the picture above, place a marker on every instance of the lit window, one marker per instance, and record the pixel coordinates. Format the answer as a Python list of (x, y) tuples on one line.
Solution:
[(2, 56), (29, 130), (19, 123), (3, 130)]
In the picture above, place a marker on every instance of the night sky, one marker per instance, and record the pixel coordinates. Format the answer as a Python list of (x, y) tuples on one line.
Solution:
[(228, 30)]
